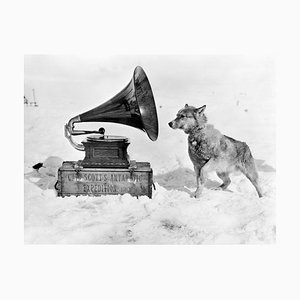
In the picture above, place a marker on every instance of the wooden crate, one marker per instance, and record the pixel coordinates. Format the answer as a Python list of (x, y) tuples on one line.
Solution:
[(73, 179)]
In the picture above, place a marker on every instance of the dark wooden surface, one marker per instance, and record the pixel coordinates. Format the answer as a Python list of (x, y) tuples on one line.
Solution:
[(75, 180), (108, 153)]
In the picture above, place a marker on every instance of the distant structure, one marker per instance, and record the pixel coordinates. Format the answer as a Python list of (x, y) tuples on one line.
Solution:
[(31, 103), (25, 100), (34, 101)]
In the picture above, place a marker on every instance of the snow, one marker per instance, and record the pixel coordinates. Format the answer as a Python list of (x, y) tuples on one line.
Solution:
[(172, 216)]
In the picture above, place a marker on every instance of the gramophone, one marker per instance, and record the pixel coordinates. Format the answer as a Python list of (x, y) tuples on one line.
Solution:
[(106, 167)]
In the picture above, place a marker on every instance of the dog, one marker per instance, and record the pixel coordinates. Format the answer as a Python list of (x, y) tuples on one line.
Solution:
[(209, 150)]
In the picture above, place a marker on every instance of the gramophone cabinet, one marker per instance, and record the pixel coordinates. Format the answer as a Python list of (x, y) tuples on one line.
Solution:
[(106, 168), (75, 180)]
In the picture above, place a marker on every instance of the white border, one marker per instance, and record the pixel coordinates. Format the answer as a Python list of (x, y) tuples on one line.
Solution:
[(149, 272)]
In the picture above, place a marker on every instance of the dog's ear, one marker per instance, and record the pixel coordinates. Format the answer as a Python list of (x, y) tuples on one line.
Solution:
[(200, 110), (186, 106)]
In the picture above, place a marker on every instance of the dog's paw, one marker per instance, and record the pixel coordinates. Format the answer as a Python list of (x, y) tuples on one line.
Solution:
[(197, 194), (217, 188)]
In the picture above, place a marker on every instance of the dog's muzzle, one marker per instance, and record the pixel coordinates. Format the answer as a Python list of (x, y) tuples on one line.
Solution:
[(171, 124)]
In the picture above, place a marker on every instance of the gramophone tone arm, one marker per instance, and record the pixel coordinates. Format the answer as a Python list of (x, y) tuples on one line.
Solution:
[(81, 132), (77, 146), (70, 125), (72, 131), (69, 131)]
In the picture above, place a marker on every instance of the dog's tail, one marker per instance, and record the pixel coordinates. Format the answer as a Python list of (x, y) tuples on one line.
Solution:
[(247, 166)]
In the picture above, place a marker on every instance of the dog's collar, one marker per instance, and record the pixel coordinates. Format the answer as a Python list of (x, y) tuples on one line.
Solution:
[(196, 129), (193, 133)]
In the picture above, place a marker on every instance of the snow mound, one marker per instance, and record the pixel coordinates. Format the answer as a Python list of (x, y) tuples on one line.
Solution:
[(237, 216)]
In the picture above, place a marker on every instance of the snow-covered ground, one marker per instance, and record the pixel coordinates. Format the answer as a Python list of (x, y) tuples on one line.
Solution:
[(171, 217), (235, 216)]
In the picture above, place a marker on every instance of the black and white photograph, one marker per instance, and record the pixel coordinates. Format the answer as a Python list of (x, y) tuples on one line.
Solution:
[(157, 149), (149, 150)]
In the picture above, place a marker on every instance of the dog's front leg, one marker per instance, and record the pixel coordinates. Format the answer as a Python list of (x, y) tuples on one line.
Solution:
[(199, 181), (201, 175)]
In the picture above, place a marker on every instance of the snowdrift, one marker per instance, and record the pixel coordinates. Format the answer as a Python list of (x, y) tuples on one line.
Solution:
[(235, 216)]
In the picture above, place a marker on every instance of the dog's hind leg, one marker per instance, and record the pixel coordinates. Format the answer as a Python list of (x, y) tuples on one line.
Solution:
[(226, 180), (251, 173), (247, 166), (254, 181)]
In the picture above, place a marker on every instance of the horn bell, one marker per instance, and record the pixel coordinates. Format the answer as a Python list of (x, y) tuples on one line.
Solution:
[(133, 106)]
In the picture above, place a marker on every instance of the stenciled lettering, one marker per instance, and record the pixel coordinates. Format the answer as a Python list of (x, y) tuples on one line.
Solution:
[(105, 177), (99, 188)]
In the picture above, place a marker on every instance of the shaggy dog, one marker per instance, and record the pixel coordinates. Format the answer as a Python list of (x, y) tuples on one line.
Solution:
[(210, 150)]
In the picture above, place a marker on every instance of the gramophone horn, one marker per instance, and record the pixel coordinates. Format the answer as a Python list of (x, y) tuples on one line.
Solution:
[(133, 106)]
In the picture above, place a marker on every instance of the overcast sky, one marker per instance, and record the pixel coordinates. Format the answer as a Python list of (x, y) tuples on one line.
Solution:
[(190, 78)]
